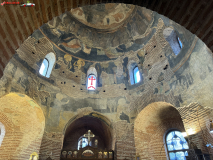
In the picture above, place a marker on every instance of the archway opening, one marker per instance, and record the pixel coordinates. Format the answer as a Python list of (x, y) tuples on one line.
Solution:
[(24, 124), (76, 130), (151, 126)]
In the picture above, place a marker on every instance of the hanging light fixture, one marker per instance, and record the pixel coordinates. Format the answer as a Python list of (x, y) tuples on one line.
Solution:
[(211, 126)]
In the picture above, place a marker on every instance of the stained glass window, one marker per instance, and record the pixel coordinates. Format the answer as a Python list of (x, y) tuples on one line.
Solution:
[(84, 143), (137, 76), (91, 82), (176, 146)]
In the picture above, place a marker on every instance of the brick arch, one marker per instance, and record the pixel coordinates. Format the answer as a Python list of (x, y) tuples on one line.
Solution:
[(150, 127), (17, 23), (99, 124), (24, 123)]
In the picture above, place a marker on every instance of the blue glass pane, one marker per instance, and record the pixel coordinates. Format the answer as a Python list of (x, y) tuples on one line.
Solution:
[(172, 156), (137, 76), (180, 43), (44, 67), (84, 143), (176, 141), (177, 156)]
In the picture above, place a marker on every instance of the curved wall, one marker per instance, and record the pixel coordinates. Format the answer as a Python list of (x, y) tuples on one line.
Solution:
[(24, 126), (178, 80)]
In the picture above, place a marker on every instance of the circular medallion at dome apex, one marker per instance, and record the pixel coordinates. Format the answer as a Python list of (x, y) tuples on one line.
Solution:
[(103, 16)]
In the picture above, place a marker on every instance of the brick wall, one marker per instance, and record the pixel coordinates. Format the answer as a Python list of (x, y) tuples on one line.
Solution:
[(24, 125), (17, 23), (51, 145), (196, 121), (124, 140), (150, 127)]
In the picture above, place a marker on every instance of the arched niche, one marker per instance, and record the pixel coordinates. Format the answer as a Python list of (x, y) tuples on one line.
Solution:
[(172, 38), (79, 126), (150, 127), (24, 124)]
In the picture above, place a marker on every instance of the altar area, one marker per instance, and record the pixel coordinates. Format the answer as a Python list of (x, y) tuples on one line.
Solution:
[(87, 152)]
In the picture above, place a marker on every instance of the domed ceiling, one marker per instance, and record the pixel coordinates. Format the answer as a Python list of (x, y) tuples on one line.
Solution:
[(100, 32), (109, 16)]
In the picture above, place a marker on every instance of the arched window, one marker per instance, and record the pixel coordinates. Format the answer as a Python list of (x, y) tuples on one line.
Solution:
[(44, 67), (176, 145), (91, 78), (47, 65), (136, 75), (83, 142), (2, 133), (174, 41)]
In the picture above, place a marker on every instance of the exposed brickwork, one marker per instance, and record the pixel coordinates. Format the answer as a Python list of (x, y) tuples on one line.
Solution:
[(51, 146), (196, 121), (124, 140), (150, 128), (23, 134), (198, 20)]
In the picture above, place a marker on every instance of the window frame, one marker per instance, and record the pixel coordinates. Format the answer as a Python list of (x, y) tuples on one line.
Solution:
[(179, 41), (134, 78), (47, 66), (173, 41), (3, 132), (51, 59), (79, 141), (165, 142), (88, 80)]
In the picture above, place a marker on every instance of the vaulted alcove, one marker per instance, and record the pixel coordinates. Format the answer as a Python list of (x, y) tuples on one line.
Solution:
[(79, 127), (150, 129)]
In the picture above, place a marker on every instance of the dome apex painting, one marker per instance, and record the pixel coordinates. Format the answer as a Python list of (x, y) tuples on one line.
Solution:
[(103, 16), (100, 32)]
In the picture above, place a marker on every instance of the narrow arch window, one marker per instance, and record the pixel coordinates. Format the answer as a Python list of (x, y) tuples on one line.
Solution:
[(136, 75), (47, 65), (176, 145), (91, 82), (180, 43), (83, 142), (91, 78), (174, 41), (44, 67), (2, 133)]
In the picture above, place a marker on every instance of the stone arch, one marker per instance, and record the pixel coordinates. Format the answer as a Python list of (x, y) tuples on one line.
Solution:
[(94, 121), (24, 123), (150, 127)]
